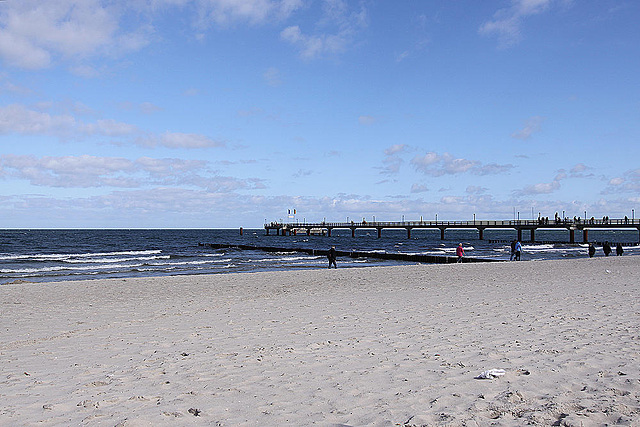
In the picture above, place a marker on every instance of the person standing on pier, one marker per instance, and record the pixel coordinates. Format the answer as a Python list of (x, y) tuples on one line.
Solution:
[(460, 252), (332, 257)]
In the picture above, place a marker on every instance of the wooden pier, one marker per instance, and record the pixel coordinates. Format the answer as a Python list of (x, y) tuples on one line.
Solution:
[(570, 225)]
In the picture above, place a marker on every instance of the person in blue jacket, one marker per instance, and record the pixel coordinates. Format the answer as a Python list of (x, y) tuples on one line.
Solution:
[(518, 250)]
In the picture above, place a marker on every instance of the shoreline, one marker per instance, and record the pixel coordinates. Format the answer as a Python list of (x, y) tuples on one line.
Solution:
[(401, 259), (373, 345)]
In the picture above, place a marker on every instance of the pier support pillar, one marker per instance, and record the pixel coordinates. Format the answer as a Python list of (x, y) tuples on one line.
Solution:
[(408, 233), (308, 232), (442, 234), (353, 232), (480, 234), (533, 235), (379, 233), (520, 234), (572, 236), (329, 232), (585, 236), (267, 231)]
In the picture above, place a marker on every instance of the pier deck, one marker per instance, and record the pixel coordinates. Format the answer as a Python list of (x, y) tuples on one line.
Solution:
[(531, 226)]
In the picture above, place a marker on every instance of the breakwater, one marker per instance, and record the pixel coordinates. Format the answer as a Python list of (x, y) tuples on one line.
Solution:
[(429, 259)]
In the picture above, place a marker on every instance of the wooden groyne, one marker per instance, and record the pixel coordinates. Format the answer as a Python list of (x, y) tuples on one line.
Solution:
[(560, 242), (428, 259)]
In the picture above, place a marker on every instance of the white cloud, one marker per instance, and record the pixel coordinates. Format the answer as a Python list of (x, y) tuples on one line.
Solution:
[(366, 120), (272, 77), (581, 171), (392, 165), (424, 162), (337, 30), (18, 119), (187, 140), (92, 172), (474, 189), (419, 188), (629, 182), (21, 120), (507, 22), (493, 169), (434, 164), (541, 188), (34, 33), (616, 181), (531, 126), (225, 12), (445, 164), (392, 161), (149, 108), (169, 167), (108, 127), (70, 171), (314, 46), (395, 149)]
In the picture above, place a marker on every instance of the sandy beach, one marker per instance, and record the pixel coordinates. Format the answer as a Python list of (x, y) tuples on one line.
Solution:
[(359, 346)]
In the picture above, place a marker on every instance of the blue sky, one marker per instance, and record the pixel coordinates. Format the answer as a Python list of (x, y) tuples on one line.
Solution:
[(227, 113)]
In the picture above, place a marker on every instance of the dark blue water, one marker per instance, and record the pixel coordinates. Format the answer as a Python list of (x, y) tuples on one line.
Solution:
[(53, 255)]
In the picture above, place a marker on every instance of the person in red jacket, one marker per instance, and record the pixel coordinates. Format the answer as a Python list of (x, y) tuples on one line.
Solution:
[(460, 252)]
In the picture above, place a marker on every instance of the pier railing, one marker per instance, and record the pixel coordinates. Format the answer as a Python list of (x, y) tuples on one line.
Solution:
[(474, 223), (528, 225)]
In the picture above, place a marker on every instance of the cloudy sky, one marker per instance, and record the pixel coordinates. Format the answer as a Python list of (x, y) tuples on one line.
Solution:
[(227, 113)]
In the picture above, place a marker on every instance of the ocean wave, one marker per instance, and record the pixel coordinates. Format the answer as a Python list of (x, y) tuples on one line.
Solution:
[(292, 258), (56, 257), (194, 262), (54, 268), (113, 260)]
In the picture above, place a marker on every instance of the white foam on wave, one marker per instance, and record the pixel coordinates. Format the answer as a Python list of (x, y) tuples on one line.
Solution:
[(68, 268), (113, 260), (54, 257), (288, 259)]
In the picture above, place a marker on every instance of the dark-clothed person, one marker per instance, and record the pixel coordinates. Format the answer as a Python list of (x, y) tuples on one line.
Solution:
[(332, 257)]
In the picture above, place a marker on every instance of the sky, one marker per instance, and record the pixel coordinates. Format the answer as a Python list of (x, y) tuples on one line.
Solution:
[(230, 113)]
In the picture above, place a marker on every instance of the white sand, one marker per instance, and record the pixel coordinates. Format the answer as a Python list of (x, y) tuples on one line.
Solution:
[(361, 346)]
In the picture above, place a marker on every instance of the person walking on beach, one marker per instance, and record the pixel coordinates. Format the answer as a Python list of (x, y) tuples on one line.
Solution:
[(332, 257), (619, 250), (513, 249), (592, 250), (460, 252), (518, 250), (606, 248)]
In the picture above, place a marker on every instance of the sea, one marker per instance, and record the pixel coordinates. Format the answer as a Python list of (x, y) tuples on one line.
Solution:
[(62, 255)]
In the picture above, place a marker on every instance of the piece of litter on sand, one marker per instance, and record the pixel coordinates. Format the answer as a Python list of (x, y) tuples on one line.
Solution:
[(491, 374)]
